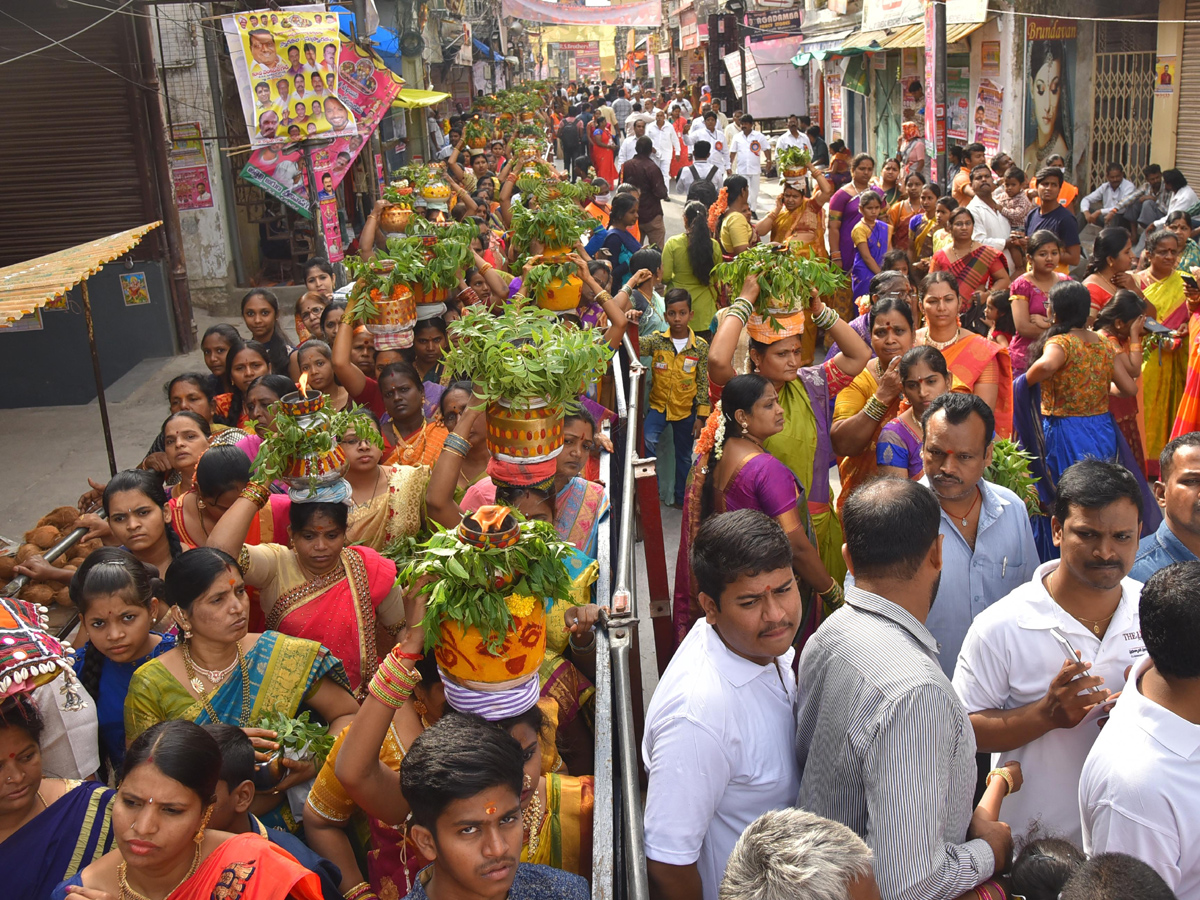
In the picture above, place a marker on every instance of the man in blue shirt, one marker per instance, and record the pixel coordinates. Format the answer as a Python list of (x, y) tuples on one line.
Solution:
[(1051, 215), (1178, 537), (462, 779), (987, 542)]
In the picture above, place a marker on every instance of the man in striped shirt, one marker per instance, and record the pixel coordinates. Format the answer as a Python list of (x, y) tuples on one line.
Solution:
[(883, 743)]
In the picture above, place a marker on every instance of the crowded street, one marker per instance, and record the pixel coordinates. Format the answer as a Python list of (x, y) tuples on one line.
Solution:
[(659, 450)]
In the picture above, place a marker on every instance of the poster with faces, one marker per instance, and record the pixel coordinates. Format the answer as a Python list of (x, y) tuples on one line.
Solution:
[(287, 70)]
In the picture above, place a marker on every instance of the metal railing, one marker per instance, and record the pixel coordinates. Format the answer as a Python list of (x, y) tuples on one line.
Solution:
[(618, 846)]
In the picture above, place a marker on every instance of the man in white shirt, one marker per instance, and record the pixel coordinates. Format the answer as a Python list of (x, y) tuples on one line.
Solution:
[(629, 145), (719, 729), (793, 137), (1140, 789), (991, 226), (1182, 195), (702, 165), (733, 126), (709, 129), (746, 155), (666, 143), (1027, 703), (1109, 198)]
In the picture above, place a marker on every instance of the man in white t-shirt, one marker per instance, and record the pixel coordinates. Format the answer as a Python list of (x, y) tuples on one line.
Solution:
[(793, 137), (1026, 702), (720, 728), (1140, 789), (747, 152), (702, 165), (709, 129), (637, 129), (991, 225)]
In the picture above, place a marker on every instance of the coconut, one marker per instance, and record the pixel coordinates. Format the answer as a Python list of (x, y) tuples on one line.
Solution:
[(62, 596), (62, 517), (88, 547), (27, 550), (44, 536), (7, 564), (37, 593)]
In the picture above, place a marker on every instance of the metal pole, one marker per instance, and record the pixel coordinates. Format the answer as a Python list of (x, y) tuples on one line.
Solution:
[(622, 598), (742, 52), (631, 810), (91, 332), (939, 80)]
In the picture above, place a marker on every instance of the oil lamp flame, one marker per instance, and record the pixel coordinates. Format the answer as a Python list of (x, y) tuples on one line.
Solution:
[(304, 385)]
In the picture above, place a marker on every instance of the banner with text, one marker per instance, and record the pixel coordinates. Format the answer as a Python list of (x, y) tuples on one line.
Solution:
[(647, 14)]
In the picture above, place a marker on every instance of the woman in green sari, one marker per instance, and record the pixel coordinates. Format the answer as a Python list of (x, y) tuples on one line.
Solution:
[(220, 673), (804, 393), (1164, 368)]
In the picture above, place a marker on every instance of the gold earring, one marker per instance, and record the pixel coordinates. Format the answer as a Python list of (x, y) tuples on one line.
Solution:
[(199, 502), (527, 782), (199, 838)]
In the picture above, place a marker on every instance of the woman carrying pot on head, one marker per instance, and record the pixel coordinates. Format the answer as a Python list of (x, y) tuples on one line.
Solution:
[(805, 395), (872, 399), (331, 808), (50, 828), (222, 672), (924, 377), (168, 789), (981, 365), (260, 312), (319, 588), (736, 472)]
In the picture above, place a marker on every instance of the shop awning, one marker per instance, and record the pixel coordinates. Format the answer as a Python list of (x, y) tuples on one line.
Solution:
[(384, 41), (486, 50), (821, 47), (904, 38), (30, 285), (412, 98)]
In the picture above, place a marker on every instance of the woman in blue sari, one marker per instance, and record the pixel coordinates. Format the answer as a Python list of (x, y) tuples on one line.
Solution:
[(219, 673), (50, 828), (617, 240)]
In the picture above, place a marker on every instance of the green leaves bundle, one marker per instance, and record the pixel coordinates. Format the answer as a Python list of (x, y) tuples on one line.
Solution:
[(555, 223), (539, 279), (524, 354), (1010, 469), (306, 740), (792, 158), (289, 441), (785, 279), (465, 578)]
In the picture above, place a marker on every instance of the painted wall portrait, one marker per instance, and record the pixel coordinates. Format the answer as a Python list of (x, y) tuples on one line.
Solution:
[(1049, 94)]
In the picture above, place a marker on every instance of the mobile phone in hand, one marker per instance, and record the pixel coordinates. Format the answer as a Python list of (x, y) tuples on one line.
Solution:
[(1069, 652)]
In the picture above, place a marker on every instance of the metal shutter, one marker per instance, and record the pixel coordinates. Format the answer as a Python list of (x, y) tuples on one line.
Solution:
[(75, 136), (1187, 141)]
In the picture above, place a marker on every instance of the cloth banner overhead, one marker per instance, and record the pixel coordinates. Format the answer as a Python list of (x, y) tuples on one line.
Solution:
[(647, 14)]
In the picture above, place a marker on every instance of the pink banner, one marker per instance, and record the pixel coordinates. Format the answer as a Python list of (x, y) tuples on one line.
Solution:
[(647, 14)]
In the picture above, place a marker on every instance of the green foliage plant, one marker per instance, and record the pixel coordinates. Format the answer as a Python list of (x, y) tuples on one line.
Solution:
[(786, 280), (793, 158), (541, 278), (1010, 469), (555, 223), (299, 738), (288, 440)]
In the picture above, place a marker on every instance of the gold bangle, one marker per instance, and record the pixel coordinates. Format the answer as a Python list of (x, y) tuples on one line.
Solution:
[(256, 493), (1003, 773)]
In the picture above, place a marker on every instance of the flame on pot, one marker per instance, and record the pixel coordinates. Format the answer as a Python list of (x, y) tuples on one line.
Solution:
[(304, 385), (439, 219)]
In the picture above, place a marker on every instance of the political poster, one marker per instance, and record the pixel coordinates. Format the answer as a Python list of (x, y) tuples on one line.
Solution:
[(958, 86), (989, 103), (289, 68), (1049, 95), (367, 88), (192, 187)]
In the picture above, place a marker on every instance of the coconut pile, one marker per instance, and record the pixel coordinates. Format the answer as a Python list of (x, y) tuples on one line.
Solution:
[(51, 528)]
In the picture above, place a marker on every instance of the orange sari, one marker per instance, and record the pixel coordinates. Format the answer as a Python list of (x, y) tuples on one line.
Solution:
[(969, 358), (249, 867)]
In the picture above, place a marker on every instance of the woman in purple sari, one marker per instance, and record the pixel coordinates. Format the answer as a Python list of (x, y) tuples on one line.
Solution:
[(924, 376), (843, 216), (736, 472)]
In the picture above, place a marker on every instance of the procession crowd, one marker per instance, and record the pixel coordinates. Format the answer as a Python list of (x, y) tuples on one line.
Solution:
[(965, 666)]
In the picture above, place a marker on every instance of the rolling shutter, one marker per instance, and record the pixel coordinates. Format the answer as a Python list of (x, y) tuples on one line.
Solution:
[(1187, 142), (75, 135)]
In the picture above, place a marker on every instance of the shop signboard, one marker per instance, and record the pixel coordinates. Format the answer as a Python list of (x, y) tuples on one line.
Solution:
[(689, 31), (774, 24), (881, 14)]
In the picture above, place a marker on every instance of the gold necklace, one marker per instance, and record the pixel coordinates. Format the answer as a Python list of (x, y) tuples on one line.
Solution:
[(128, 893), (215, 676), (204, 701), (533, 821), (942, 345), (1095, 623)]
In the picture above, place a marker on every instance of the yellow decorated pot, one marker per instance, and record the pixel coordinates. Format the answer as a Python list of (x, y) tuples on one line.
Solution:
[(524, 435), (463, 655), (562, 296), (398, 311), (394, 219)]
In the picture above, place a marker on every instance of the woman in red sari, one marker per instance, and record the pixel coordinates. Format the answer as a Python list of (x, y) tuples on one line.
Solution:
[(602, 146), (982, 365), (977, 269), (164, 802), (344, 597), (681, 159)]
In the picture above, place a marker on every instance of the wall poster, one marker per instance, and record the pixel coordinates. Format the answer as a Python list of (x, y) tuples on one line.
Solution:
[(1049, 94)]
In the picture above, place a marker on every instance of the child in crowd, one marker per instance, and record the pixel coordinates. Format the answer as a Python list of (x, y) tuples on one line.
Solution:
[(998, 313), (679, 394)]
